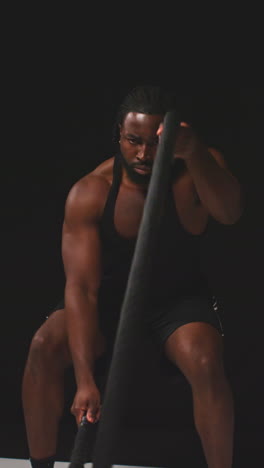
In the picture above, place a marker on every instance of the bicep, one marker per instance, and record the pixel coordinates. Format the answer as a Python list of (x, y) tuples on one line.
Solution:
[(81, 253), (81, 244)]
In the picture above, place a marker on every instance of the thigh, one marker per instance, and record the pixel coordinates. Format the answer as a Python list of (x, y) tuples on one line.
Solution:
[(52, 338), (182, 310)]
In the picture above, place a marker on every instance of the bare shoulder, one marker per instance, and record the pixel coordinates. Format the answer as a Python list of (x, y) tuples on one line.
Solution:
[(105, 169), (88, 195)]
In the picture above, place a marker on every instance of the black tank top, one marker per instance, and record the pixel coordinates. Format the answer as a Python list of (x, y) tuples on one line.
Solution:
[(176, 266)]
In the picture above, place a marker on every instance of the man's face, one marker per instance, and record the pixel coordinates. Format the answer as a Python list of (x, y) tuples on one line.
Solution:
[(138, 144)]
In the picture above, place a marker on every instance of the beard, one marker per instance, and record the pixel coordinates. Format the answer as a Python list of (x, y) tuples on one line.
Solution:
[(140, 179), (178, 166)]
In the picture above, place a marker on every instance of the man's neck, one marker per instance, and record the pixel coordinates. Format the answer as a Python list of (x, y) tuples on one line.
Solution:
[(127, 182)]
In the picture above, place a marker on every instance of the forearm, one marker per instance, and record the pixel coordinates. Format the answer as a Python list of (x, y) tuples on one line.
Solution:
[(82, 326), (217, 189)]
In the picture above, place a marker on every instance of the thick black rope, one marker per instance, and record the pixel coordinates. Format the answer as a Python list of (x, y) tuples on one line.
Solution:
[(130, 333), (79, 454)]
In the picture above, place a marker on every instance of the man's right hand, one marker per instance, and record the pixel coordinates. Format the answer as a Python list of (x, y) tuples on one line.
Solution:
[(87, 401)]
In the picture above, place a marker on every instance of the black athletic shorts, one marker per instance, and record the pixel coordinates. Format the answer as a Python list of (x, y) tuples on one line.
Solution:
[(163, 318)]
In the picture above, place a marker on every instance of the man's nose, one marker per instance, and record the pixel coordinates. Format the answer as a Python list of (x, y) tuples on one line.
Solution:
[(144, 152)]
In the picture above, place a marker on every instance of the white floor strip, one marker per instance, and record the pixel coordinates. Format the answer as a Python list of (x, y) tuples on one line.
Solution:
[(17, 463)]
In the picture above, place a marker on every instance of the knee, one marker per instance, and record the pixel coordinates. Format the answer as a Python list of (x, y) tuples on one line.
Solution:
[(43, 351), (206, 369)]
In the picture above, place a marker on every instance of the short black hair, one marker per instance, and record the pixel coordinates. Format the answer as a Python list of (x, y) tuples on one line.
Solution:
[(148, 99)]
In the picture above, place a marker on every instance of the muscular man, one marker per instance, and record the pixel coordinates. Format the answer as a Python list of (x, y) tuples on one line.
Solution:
[(102, 216)]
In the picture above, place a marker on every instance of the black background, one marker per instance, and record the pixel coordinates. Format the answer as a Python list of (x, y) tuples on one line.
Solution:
[(61, 106)]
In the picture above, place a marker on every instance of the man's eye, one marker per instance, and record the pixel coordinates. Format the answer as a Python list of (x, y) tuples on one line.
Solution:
[(132, 141)]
